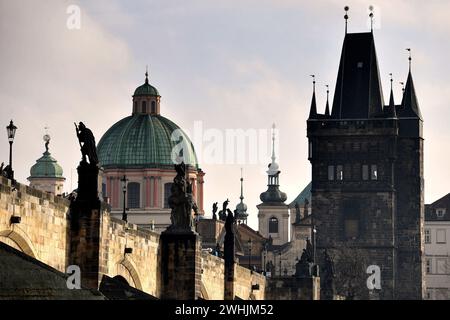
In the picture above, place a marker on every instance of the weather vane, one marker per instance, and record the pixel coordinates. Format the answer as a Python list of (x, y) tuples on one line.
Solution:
[(409, 58), (314, 81), (346, 17), (371, 18)]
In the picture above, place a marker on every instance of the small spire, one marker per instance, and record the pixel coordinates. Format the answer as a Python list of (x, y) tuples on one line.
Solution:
[(409, 58), (313, 109), (403, 86), (146, 74), (391, 98), (390, 110), (327, 106), (371, 18), (346, 17)]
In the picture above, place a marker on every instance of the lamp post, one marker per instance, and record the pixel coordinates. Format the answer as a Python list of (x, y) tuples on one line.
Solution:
[(11, 131), (124, 189), (249, 242)]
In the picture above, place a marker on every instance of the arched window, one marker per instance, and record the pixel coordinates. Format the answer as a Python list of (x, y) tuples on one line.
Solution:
[(144, 106), (134, 195), (135, 106), (167, 193), (153, 110), (273, 225)]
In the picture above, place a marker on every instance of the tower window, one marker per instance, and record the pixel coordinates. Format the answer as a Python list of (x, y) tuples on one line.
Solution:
[(167, 193), (339, 172), (144, 106), (273, 225), (310, 150), (153, 107), (373, 172), (330, 173), (365, 172), (134, 195)]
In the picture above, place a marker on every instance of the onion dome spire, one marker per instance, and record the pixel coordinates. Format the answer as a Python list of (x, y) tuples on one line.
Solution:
[(273, 193), (241, 208)]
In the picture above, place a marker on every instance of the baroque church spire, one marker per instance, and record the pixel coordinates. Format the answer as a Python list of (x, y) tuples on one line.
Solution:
[(273, 194), (241, 208)]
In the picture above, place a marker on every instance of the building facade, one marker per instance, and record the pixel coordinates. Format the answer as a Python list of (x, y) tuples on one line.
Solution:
[(143, 148), (437, 249), (367, 178)]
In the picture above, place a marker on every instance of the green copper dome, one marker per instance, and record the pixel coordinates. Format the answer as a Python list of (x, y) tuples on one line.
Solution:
[(143, 141), (46, 167)]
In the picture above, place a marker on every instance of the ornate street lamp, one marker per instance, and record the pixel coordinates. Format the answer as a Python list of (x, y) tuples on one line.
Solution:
[(11, 131), (124, 189)]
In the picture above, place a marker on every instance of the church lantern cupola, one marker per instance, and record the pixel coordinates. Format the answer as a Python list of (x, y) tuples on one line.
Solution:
[(146, 99)]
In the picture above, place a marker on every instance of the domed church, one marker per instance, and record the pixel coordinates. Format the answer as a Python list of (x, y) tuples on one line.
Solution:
[(137, 155)]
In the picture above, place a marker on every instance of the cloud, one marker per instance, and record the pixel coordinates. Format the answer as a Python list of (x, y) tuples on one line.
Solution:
[(54, 76)]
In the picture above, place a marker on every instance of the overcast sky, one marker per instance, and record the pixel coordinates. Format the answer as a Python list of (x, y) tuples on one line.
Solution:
[(229, 64)]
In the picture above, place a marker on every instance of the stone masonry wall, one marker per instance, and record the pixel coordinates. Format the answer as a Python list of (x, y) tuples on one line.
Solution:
[(43, 230), (43, 233)]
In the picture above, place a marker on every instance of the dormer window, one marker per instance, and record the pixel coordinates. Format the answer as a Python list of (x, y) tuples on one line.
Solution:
[(440, 212)]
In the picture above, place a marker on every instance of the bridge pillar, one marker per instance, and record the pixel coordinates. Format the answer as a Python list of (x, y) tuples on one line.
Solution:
[(181, 265), (85, 221)]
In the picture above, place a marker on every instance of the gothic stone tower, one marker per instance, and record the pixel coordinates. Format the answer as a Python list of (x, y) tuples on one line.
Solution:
[(367, 175)]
